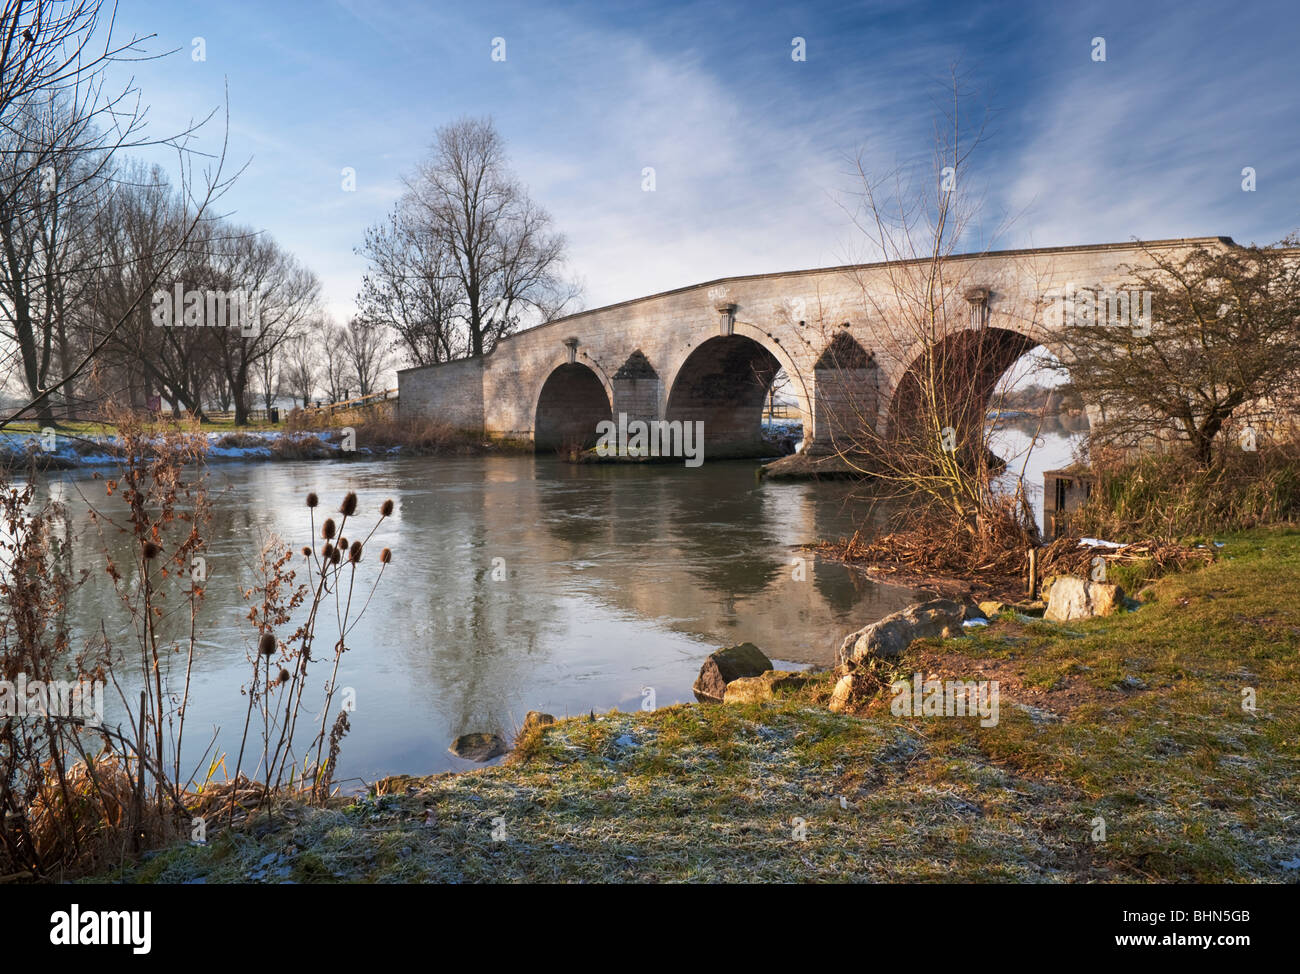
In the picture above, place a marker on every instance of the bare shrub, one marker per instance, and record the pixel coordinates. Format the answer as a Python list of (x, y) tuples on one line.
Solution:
[(75, 792)]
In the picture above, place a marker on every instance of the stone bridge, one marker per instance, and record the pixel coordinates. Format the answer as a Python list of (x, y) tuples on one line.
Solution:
[(845, 337)]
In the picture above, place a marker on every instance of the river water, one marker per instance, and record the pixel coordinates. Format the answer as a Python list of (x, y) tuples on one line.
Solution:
[(517, 583)]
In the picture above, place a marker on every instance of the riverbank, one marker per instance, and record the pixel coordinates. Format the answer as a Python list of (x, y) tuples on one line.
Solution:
[(73, 449), (1122, 753)]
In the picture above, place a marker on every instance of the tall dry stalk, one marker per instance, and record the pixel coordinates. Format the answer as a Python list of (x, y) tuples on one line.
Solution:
[(920, 425), (280, 665)]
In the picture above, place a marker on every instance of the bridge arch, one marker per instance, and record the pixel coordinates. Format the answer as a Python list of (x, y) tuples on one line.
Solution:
[(961, 370), (971, 365), (723, 382), (571, 401)]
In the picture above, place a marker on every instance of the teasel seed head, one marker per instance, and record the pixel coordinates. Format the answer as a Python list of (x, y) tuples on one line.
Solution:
[(349, 505), (336, 556), (327, 551), (386, 555), (386, 509), (306, 551), (283, 677), (266, 645), (151, 551), (327, 529), (354, 554), (343, 543), (312, 499)]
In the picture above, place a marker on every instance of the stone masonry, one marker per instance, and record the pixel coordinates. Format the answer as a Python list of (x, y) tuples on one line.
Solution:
[(708, 352)]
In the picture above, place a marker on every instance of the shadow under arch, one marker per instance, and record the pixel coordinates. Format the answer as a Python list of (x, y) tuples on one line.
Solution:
[(954, 380), (723, 384), (571, 404)]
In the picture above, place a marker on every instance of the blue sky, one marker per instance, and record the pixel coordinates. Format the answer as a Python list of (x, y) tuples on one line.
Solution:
[(751, 149)]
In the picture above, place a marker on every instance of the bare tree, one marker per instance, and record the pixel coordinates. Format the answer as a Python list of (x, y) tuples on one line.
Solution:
[(270, 378), (144, 236), (926, 442), (277, 295), (367, 347), (479, 227), (336, 366), (1222, 339), (410, 287), (301, 363), (60, 127)]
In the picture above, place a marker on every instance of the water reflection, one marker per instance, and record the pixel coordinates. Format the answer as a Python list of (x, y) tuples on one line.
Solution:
[(517, 583)]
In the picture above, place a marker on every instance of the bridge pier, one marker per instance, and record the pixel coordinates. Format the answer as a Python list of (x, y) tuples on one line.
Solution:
[(846, 396), (637, 389)]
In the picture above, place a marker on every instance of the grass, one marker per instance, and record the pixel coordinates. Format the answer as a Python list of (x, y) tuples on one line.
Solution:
[(92, 428), (1170, 495), (1134, 721), (416, 436)]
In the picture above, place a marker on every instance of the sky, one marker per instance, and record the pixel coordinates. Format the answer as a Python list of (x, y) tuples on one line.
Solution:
[(752, 150)]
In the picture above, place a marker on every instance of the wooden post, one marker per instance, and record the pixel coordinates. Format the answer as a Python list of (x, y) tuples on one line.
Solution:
[(1032, 573)]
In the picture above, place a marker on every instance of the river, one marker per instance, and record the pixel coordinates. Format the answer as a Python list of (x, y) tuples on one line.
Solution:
[(517, 583)]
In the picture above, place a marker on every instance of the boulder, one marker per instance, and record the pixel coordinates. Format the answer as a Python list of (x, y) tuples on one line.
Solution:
[(992, 609), (395, 784), (755, 689), (888, 638), (478, 747), (1079, 598), (535, 718), (725, 665), (853, 687)]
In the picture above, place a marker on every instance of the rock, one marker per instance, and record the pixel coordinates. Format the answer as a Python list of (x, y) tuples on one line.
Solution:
[(1045, 586), (395, 784), (888, 638), (725, 665), (1079, 598), (992, 610), (1031, 610), (1038, 714), (853, 687), (755, 689), (534, 719), (478, 747), (841, 695)]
